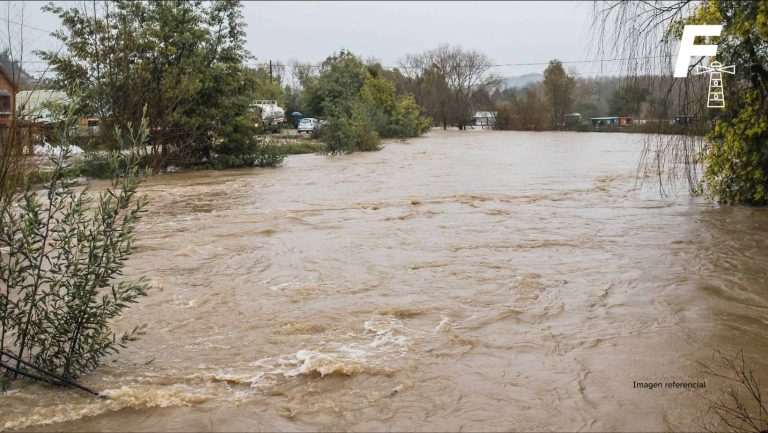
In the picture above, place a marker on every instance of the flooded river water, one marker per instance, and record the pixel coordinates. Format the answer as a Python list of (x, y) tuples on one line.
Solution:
[(474, 280)]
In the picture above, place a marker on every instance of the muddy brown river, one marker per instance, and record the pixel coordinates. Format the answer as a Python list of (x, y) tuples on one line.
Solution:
[(474, 280)]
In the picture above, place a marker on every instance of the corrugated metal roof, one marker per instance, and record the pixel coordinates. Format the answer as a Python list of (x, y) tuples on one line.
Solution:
[(33, 103)]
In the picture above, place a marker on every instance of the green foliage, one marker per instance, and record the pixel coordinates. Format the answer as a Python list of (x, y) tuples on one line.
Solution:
[(302, 146), (265, 87), (183, 61), (737, 155), (61, 258), (258, 151), (407, 120), (97, 165), (361, 105), (350, 132), (341, 78)]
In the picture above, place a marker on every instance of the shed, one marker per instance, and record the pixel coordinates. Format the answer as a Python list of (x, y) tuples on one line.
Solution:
[(484, 119)]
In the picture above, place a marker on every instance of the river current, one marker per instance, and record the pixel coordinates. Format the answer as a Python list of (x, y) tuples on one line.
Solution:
[(475, 280)]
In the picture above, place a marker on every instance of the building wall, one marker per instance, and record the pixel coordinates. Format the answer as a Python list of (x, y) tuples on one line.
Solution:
[(7, 101)]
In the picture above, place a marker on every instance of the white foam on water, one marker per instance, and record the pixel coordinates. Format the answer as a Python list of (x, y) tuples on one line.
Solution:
[(116, 399), (445, 325), (383, 340)]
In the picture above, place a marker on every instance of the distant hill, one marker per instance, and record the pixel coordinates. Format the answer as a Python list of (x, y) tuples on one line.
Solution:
[(522, 80)]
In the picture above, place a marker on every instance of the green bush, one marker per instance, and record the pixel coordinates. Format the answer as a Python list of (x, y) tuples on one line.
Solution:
[(302, 147), (351, 132), (407, 120), (269, 155), (737, 157), (98, 165), (260, 151), (361, 104), (62, 254)]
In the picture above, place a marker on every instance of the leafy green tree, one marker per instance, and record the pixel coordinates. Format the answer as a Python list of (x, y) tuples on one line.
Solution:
[(361, 105), (558, 88), (737, 155), (351, 131), (336, 87), (407, 120), (181, 60), (264, 86)]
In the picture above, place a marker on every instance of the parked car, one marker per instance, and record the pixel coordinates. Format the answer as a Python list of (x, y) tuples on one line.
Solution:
[(307, 124)]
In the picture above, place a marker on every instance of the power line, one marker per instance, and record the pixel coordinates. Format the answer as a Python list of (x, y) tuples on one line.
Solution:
[(25, 25), (266, 64), (500, 65)]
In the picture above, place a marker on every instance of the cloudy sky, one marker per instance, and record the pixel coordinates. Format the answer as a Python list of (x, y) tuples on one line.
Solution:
[(514, 32)]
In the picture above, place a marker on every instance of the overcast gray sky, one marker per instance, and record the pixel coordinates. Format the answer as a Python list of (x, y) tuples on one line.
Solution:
[(513, 32)]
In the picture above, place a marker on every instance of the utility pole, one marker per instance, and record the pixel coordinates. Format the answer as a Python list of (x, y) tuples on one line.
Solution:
[(270, 71)]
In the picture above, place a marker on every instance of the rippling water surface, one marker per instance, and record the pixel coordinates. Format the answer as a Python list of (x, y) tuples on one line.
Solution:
[(461, 281)]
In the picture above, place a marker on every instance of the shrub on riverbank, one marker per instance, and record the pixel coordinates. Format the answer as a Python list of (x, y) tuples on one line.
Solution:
[(351, 132), (61, 257), (258, 151), (100, 165), (299, 147), (361, 106)]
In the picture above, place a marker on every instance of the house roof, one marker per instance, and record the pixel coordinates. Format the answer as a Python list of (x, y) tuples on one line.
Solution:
[(35, 104), (485, 114)]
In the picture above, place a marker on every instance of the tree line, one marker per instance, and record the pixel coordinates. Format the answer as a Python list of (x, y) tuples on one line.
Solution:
[(187, 65), (450, 84)]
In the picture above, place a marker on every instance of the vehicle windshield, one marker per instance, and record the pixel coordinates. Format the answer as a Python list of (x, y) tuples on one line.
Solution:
[(306, 121)]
